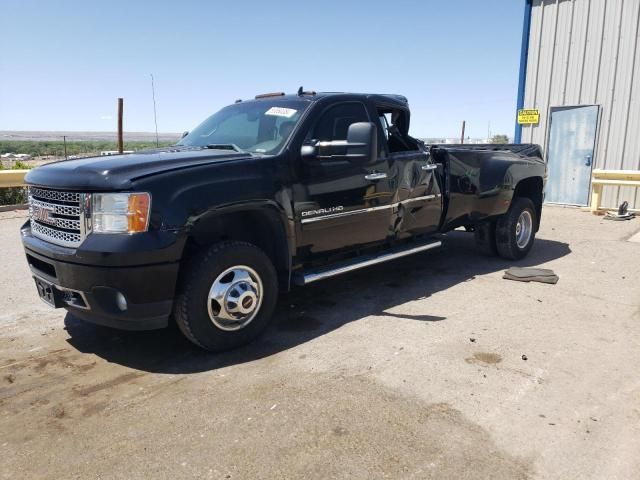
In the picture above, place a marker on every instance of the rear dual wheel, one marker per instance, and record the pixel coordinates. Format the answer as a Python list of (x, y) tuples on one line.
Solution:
[(512, 235), (485, 237)]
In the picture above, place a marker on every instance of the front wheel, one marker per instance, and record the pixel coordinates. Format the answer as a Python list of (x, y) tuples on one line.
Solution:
[(515, 230), (227, 296)]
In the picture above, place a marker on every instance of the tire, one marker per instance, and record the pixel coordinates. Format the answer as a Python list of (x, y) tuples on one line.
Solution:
[(485, 237), (511, 242), (239, 271)]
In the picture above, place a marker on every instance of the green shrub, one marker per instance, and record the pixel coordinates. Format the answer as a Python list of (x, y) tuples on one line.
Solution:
[(13, 196), (19, 165)]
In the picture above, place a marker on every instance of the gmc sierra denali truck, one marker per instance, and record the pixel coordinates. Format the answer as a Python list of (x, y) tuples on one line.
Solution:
[(266, 194)]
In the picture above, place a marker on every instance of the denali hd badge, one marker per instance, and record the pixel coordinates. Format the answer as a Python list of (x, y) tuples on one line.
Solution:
[(323, 211)]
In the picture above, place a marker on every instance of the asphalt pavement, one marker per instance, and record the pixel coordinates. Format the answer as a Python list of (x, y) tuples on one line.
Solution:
[(432, 366)]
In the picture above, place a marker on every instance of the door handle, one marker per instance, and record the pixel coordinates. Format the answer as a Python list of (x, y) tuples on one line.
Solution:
[(587, 160), (429, 167), (375, 176)]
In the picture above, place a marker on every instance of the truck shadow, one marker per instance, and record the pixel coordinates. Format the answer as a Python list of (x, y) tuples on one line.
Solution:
[(313, 311)]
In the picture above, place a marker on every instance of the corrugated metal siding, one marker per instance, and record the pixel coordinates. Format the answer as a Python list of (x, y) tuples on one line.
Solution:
[(587, 52)]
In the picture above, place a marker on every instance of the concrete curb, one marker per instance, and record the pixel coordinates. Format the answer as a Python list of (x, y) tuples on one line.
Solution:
[(9, 208)]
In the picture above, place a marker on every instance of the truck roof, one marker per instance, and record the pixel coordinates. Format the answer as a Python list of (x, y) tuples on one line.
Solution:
[(387, 98)]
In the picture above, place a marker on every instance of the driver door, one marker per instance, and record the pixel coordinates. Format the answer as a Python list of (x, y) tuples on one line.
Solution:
[(340, 203)]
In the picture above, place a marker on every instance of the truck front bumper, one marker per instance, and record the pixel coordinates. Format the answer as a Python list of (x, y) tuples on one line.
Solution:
[(136, 297)]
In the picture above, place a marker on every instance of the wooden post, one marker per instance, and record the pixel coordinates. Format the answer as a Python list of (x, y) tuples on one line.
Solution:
[(64, 139), (462, 135), (120, 143)]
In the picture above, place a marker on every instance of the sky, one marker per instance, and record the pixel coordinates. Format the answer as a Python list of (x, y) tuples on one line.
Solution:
[(63, 64)]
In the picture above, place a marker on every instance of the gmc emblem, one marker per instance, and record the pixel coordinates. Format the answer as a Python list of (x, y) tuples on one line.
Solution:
[(42, 214)]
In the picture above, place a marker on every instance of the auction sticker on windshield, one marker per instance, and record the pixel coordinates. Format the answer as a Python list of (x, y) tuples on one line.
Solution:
[(281, 112)]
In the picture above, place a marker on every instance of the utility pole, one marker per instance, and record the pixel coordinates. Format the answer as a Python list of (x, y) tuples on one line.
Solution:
[(462, 135), (120, 143), (64, 140), (155, 117)]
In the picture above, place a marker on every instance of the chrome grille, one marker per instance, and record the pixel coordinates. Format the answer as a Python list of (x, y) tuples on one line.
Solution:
[(60, 209), (55, 195), (68, 224), (64, 221), (53, 235)]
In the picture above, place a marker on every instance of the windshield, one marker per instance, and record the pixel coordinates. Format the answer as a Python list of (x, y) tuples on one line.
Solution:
[(261, 127)]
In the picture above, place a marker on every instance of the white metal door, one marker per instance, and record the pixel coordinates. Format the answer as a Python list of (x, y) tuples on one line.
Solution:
[(572, 139)]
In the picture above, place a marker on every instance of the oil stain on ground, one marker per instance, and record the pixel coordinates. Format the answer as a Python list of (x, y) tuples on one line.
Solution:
[(486, 358)]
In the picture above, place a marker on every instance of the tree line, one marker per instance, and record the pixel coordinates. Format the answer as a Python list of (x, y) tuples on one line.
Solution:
[(56, 148)]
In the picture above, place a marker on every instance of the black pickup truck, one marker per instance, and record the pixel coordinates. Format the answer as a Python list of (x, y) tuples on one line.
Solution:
[(269, 193)]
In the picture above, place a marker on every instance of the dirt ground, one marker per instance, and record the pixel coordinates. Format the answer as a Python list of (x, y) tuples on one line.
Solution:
[(429, 367)]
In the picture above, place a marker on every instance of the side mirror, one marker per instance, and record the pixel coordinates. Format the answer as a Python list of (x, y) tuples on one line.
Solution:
[(362, 142), (309, 152), (361, 146), (184, 134)]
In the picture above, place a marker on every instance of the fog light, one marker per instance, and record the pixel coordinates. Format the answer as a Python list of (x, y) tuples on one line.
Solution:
[(121, 301)]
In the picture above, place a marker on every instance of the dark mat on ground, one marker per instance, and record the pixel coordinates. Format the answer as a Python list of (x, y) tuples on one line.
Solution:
[(542, 275)]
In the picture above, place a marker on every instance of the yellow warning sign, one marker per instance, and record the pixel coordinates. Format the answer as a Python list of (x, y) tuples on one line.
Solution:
[(528, 117)]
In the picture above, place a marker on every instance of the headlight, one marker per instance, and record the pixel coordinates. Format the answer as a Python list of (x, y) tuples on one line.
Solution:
[(120, 212)]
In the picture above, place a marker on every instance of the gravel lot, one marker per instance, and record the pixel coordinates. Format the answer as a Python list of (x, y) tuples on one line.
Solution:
[(414, 369)]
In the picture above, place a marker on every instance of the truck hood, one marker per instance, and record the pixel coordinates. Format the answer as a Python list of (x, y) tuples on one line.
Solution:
[(117, 172)]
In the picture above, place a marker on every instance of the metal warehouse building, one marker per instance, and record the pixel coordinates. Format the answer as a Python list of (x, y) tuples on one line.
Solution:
[(580, 68)]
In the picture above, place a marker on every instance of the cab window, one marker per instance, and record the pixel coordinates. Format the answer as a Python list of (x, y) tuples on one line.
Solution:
[(334, 122), (395, 127)]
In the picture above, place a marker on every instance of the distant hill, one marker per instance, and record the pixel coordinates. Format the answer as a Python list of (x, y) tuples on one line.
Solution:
[(35, 136)]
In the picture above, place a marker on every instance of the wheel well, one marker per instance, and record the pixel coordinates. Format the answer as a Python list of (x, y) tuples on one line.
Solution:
[(531, 188), (261, 227)]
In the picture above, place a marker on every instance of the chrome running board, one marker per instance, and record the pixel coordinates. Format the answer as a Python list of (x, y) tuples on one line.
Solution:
[(320, 273)]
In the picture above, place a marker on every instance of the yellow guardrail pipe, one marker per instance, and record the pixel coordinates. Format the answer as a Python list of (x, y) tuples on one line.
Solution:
[(618, 178), (12, 178)]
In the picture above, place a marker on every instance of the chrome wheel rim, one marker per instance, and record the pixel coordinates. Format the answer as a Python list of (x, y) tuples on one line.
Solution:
[(524, 229), (235, 298)]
